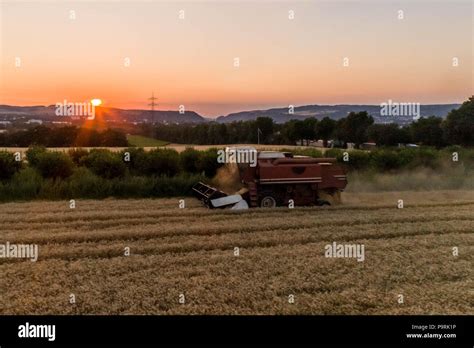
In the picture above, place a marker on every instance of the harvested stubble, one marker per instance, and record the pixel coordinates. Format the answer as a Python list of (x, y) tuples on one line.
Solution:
[(191, 251)]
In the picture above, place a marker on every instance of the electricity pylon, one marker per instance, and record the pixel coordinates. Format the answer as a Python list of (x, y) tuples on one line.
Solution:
[(152, 104)]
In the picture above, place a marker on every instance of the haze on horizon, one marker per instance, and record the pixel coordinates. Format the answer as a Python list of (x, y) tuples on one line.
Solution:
[(190, 61)]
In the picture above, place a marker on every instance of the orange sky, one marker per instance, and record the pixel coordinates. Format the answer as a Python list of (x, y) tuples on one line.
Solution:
[(190, 61)]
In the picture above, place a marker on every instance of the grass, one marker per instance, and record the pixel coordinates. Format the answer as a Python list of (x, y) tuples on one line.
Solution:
[(191, 251), (141, 141)]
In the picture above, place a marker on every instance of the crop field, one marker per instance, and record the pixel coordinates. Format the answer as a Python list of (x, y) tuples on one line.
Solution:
[(185, 261), (141, 141)]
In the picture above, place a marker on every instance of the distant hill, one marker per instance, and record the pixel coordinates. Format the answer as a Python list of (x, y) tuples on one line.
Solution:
[(47, 113), (281, 115)]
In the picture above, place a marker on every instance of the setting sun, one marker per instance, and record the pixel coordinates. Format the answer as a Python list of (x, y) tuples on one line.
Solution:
[(96, 102)]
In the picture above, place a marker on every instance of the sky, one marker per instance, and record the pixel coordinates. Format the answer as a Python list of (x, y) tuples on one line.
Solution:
[(122, 51)]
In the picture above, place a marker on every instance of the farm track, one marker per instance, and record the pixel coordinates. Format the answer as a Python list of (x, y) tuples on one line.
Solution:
[(190, 251)]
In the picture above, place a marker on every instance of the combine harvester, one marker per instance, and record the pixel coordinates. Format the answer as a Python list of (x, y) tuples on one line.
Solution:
[(276, 179)]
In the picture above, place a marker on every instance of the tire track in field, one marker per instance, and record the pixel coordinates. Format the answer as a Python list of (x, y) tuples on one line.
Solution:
[(104, 214), (271, 238), (145, 232), (85, 222)]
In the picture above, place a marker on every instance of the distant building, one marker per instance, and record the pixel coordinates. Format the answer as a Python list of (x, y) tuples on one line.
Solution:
[(313, 143), (336, 144), (407, 145), (319, 143), (34, 121), (368, 146)]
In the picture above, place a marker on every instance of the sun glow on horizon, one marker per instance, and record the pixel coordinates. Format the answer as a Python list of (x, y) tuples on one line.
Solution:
[(96, 102)]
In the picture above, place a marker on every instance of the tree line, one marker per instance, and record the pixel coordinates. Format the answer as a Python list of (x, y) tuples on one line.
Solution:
[(456, 129), (68, 136), (101, 173)]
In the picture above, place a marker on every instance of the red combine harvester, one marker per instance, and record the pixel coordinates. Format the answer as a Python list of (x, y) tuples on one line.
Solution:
[(279, 178)]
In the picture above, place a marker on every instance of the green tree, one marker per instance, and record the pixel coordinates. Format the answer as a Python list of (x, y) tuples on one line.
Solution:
[(111, 137), (459, 125), (354, 127), (388, 134), (325, 129), (265, 124), (308, 131), (427, 131)]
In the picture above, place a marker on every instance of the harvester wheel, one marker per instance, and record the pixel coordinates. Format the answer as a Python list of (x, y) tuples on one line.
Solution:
[(268, 202)]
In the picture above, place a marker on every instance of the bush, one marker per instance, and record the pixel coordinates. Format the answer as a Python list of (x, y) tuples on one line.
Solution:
[(334, 153), (77, 154), (24, 185), (159, 162), (465, 156), (32, 154), (54, 165), (305, 152), (83, 183), (208, 164), (423, 157), (104, 163), (8, 165), (358, 159), (388, 158), (189, 160), (137, 160), (385, 160)]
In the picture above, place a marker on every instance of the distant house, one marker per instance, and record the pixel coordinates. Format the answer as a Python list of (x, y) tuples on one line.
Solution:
[(34, 121), (313, 143), (368, 146), (407, 145), (336, 144), (319, 143)]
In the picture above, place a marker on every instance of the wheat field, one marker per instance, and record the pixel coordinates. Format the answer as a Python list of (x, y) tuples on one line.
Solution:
[(184, 261)]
